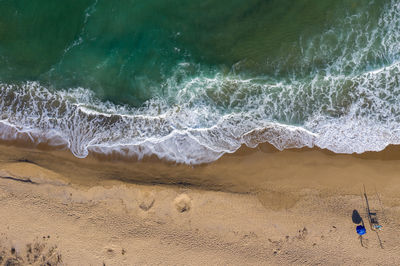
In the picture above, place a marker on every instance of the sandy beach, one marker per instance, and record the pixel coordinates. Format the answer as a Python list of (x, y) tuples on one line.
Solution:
[(255, 207)]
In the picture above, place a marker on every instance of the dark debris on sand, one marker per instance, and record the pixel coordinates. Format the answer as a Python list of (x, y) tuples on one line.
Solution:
[(37, 253)]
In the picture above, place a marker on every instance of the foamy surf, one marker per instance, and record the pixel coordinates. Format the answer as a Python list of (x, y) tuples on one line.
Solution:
[(194, 131)]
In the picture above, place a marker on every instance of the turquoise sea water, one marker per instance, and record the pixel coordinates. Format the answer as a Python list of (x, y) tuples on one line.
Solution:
[(191, 80)]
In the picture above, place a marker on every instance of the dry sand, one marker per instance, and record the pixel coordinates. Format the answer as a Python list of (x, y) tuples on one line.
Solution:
[(254, 207)]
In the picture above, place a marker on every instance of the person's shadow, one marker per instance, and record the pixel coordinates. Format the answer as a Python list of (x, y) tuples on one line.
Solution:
[(356, 217)]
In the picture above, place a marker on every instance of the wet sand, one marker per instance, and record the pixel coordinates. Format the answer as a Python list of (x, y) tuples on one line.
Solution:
[(256, 206)]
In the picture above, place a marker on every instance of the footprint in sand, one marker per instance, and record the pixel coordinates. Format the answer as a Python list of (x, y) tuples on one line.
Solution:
[(146, 203), (183, 203)]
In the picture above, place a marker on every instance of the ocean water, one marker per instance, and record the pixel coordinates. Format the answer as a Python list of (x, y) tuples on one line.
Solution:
[(189, 81)]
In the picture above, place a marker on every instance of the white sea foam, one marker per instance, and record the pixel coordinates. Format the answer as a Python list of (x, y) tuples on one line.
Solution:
[(348, 106), (196, 130)]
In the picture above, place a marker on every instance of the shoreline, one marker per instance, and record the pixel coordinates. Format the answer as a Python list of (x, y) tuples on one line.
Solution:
[(256, 206)]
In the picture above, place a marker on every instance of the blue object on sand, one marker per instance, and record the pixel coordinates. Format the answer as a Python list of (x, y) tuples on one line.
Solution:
[(360, 230)]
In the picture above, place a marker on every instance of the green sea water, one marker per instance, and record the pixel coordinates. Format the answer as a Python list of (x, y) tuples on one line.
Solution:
[(192, 80), (125, 50)]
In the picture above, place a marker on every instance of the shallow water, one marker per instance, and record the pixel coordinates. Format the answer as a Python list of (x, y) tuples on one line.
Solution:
[(190, 81)]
